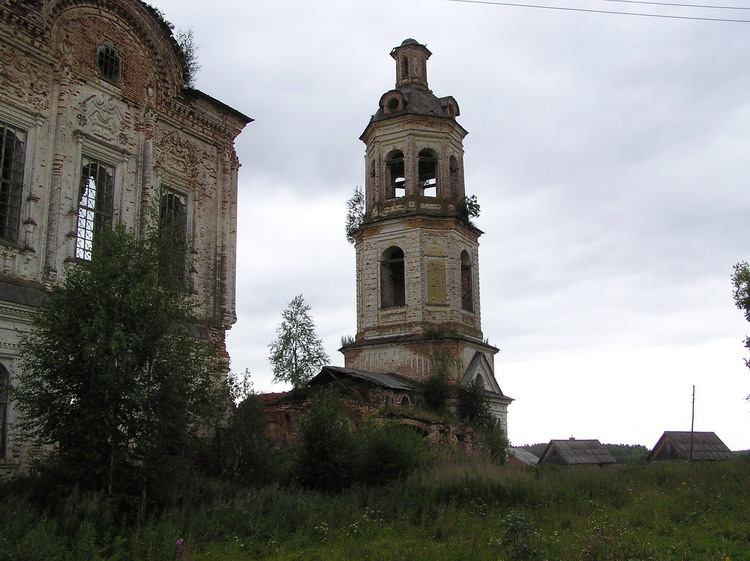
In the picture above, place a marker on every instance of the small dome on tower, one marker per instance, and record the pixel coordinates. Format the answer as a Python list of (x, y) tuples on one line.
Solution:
[(412, 95)]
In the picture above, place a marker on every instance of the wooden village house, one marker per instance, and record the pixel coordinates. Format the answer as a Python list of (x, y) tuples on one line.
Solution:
[(576, 452), (690, 446)]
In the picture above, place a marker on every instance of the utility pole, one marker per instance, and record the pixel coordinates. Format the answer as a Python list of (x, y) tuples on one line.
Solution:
[(692, 425)]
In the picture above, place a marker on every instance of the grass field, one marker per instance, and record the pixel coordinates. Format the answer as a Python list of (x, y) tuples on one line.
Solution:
[(453, 510)]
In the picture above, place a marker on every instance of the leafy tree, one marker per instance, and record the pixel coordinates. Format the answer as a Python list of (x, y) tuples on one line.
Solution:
[(355, 213), (325, 458), (627, 453), (495, 440), (243, 451), (469, 208), (297, 354), (474, 407), (741, 283), (111, 374)]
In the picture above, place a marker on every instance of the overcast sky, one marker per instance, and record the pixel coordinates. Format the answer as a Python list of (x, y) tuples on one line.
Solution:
[(611, 158)]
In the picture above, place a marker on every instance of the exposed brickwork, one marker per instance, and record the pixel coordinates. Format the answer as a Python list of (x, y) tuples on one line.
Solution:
[(143, 122), (364, 402), (411, 309)]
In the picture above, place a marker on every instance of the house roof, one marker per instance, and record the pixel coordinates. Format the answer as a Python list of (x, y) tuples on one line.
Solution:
[(392, 381), (274, 397), (706, 445), (523, 456), (573, 452)]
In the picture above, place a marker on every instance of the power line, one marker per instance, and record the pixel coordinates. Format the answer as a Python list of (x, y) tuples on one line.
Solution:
[(681, 5), (567, 9)]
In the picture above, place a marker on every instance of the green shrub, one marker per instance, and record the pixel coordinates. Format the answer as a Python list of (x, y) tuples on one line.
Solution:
[(325, 456), (241, 449), (519, 536), (474, 408), (493, 437), (388, 451)]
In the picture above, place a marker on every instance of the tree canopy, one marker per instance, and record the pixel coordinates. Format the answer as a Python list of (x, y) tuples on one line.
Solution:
[(741, 284), (111, 374), (298, 353), (355, 213)]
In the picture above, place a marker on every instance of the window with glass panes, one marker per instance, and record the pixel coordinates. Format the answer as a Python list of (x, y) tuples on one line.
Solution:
[(95, 199), (12, 144), (173, 224)]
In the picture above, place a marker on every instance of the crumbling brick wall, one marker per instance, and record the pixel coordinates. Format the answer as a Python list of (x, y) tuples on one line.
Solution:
[(104, 81)]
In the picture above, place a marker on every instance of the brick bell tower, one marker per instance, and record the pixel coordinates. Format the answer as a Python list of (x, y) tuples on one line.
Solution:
[(417, 252)]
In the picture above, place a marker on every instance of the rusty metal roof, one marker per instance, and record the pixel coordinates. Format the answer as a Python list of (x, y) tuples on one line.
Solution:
[(392, 381)]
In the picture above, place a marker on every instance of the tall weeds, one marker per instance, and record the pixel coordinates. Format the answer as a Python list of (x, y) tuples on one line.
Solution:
[(454, 509)]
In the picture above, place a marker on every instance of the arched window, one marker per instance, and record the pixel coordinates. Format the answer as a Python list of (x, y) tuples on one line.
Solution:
[(467, 298), (392, 287), (12, 142), (396, 179), (480, 381), (4, 381), (95, 199), (427, 173), (173, 226), (405, 402)]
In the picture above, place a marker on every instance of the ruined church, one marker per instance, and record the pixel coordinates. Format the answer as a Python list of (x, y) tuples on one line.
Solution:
[(98, 125), (417, 260)]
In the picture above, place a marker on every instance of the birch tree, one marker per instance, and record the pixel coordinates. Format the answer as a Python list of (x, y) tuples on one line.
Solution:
[(297, 354)]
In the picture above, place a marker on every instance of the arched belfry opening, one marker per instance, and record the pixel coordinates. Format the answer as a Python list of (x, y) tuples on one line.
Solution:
[(428, 166), (395, 175), (392, 280)]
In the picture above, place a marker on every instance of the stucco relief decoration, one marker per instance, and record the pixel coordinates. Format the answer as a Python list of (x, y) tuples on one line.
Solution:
[(101, 116), (177, 155), (21, 79)]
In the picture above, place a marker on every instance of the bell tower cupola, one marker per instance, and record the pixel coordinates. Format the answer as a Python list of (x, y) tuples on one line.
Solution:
[(411, 63), (414, 154), (417, 250)]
